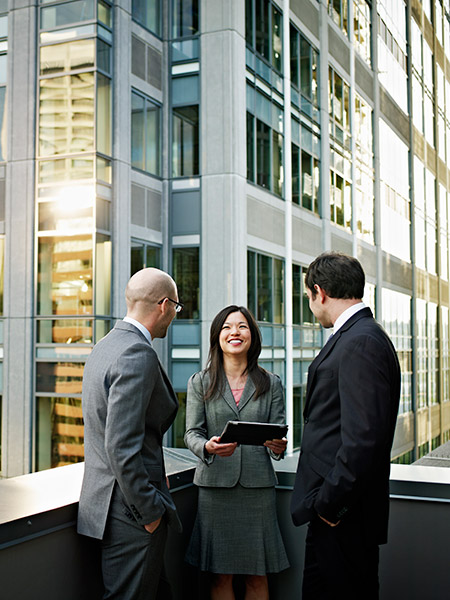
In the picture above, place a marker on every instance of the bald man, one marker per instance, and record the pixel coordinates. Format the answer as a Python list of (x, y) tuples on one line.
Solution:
[(128, 405)]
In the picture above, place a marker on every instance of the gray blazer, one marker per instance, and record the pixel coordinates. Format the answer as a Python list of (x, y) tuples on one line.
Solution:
[(249, 465), (128, 405)]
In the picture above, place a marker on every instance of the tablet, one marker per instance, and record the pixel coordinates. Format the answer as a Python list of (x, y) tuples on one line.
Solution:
[(251, 433)]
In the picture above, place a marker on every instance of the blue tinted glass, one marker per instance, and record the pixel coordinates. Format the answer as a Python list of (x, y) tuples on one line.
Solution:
[(267, 337), (185, 90), (181, 371), (70, 12), (185, 334)]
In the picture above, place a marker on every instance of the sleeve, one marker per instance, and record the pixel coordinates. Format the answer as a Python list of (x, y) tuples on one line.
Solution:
[(196, 434), (131, 382), (277, 409), (365, 399)]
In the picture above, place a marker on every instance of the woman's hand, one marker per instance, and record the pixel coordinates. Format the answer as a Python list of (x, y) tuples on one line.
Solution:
[(277, 446), (212, 446)]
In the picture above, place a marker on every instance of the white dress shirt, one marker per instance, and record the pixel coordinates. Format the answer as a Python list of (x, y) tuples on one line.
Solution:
[(141, 328), (345, 316)]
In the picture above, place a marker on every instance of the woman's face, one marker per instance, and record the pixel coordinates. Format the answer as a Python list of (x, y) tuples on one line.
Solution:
[(235, 337)]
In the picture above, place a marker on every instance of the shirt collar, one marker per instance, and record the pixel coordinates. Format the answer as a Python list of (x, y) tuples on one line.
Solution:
[(141, 328), (345, 316)]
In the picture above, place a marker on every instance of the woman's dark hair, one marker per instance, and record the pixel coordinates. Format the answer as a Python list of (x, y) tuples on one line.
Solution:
[(214, 366)]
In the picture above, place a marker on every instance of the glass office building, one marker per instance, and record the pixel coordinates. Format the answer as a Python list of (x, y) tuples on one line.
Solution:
[(228, 143)]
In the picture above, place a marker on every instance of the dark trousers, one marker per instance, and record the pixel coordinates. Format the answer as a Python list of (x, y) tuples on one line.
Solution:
[(339, 563), (132, 558)]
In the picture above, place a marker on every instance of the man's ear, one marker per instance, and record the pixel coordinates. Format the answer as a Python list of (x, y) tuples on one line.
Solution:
[(321, 293)]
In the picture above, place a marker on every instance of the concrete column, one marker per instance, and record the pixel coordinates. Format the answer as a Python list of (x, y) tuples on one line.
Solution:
[(18, 395), (223, 252)]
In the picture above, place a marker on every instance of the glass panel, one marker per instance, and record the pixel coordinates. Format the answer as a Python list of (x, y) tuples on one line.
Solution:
[(147, 14), (3, 68), (278, 291), (67, 57), (153, 257), (2, 278), (186, 272), (59, 378), (103, 257), (103, 56), (137, 257), (152, 139), (104, 114), (3, 123), (250, 147), (181, 371), (53, 37), (70, 12), (294, 41), (185, 334), (262, 28), (59, 431), (179, 426), (296, 294), (185, 90), (185, 141), (66, 169), (263, 158), (264, 279), (137, 131), (102, 327), (3, 26), (251, 281), (104, 170), (64, 331), (295, 174), (277, 44), (185, 18), (184, 50), (65, 275), (104, 14), (277, 162), (66, 114), (54, 216)]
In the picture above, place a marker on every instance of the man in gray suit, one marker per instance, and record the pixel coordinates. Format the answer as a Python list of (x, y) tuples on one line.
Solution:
[(128, 405)]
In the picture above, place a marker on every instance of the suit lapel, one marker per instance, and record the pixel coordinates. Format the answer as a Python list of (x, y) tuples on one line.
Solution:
[(247, 394), (227, 395)]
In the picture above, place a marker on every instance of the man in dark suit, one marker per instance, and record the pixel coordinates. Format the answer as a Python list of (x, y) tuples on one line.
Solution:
[(342, 483), (128, 405)]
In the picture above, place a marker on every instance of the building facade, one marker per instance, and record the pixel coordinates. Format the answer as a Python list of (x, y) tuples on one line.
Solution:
[(228, 143)]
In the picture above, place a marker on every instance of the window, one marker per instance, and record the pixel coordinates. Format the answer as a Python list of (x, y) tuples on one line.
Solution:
[(264, 141), (185, 18), (263, 21), (145, 134), (397, 322), (338, 11), (144, 255), (364, 173), (186, 272), (185, 154), (265, 287), (148, 14), (305, 167), (362, 28)]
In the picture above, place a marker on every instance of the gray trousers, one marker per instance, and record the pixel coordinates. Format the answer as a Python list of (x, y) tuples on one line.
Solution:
[(132, 558)]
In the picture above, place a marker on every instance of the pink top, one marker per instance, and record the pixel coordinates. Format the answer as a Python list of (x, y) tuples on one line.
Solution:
[(237, 395)]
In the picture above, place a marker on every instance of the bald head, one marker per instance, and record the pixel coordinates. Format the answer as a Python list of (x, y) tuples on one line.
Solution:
[(146, 288)]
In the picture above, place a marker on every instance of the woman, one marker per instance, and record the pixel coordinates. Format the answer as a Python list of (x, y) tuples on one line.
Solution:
[(236, 530)]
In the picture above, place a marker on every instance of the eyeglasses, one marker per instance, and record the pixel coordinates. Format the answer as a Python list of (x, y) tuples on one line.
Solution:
[(178, 306)]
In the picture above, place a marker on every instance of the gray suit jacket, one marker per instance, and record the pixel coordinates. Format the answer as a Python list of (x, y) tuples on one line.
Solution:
[(128, 405), (249, 465)]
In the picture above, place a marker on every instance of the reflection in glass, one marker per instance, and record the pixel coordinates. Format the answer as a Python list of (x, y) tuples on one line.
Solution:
[(59, 431), (66, 169), (103, 275), (278, 291), (104, 13), (186, 272), (3, 123), (65, 275), (59, 378), (104, 114), (185, 18), (69, 12), (65, 215), (185, 141), (147, 14), (264, 288), (104, 170), (66, 114), (103, 56), (67, 57), (64, 331), (145, 134)]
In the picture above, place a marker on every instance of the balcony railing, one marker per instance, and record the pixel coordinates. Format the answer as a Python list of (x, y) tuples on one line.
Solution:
[(43, 558)]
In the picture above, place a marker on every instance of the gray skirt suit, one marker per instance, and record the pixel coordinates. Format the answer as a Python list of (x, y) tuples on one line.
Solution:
[(236, 529)]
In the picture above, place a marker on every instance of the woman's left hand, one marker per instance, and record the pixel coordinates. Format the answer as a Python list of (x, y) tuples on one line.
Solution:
[(277, 446)]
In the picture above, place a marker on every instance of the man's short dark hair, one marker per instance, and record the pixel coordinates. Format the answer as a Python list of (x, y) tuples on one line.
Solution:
[(339, 275)]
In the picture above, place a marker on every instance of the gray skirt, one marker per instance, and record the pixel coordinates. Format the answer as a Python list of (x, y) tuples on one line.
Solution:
[(236, 532)]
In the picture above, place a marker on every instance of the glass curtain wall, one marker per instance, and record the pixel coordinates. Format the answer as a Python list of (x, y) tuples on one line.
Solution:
[(73, 296)]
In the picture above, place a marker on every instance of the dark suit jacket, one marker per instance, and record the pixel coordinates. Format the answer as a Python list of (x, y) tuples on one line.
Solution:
[(350, 414), (128, 405)]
